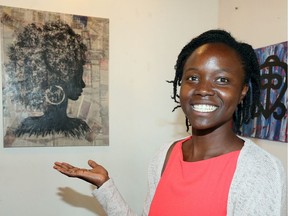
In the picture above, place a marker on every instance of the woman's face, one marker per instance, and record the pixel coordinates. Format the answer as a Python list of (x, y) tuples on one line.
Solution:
[(75, 85), (212, 86)]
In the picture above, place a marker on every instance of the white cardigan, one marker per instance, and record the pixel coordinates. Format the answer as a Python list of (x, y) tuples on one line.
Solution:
[(258, 187)]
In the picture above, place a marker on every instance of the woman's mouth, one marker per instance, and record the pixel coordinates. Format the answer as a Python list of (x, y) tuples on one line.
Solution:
[(204, 108)]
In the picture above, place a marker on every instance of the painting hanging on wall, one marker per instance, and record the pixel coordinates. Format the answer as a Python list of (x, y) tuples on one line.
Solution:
[(54, 78), (271, 118)]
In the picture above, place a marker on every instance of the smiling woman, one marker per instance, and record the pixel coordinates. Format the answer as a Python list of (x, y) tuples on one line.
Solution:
[(212, 84), (249, 63), (214, 171)]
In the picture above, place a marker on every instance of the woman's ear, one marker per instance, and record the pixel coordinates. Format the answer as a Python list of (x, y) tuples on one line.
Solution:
[(244, 92)]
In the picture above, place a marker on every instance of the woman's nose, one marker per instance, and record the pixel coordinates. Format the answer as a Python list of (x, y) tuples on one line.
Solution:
[(204, 88)]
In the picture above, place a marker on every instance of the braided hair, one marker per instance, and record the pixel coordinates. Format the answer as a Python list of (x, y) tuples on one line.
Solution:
[(245, 110)]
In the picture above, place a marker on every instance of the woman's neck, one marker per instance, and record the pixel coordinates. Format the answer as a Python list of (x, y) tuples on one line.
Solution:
[(205, 145)]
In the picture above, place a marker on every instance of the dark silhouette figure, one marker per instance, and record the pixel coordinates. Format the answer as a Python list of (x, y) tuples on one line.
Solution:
[(45, 70)]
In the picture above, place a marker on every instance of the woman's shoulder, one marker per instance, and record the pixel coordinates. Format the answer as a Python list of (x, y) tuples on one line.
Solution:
[(255, 153), (158, 160), (166, 149), (259, 182), (254, 159)]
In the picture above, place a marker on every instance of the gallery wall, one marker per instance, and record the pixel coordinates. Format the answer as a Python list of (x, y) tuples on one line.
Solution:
[(145, 38)]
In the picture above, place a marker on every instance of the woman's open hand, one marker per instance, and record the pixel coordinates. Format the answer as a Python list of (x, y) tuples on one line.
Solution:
[(96, 176)]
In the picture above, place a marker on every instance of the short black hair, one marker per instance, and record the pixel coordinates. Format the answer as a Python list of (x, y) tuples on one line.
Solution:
[(245, 110)]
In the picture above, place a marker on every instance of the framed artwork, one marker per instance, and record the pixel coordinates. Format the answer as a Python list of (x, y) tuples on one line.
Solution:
[(54, 78), (271, 120)]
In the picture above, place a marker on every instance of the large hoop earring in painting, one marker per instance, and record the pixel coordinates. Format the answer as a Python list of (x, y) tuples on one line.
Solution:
[(55, 95)]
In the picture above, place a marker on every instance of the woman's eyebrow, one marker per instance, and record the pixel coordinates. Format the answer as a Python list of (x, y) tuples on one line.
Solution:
[(190, 69)]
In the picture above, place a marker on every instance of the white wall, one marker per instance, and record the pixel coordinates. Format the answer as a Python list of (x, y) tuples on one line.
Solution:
[(145, 38), (260, 23)]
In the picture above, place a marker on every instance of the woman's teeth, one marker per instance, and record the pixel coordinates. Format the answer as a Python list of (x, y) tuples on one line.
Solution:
[(204, 108)]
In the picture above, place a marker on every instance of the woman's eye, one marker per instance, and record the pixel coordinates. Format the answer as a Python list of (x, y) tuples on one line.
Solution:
[(193, 78), (222, 80)]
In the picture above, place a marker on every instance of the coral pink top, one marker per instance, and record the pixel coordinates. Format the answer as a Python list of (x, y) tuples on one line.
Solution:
[(194, 188)]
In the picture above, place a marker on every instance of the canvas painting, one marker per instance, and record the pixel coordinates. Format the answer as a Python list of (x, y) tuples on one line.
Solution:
[(54, 79), (271, 117)]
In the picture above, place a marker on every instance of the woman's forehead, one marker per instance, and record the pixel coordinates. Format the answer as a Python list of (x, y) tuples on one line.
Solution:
[(219, 51)]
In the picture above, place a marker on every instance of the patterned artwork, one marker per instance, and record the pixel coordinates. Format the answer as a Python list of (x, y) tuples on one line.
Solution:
[(54, 78), (271, 118)]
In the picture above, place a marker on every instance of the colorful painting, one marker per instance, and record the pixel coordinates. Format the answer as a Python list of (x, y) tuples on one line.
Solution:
[(54, 78), (271, 118)]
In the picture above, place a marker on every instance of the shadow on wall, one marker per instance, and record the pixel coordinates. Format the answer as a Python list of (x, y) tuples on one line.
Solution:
[(79, 200)]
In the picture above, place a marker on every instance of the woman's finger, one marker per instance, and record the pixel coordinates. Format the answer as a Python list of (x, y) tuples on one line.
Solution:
[(92, 164)]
